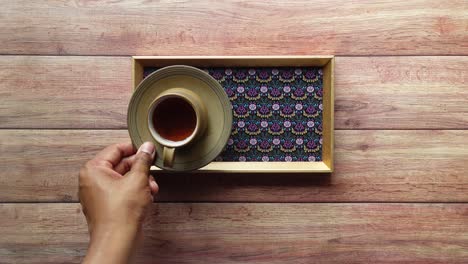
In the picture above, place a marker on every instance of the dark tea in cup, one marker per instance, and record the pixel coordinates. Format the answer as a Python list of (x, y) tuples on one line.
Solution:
[(174, 119)]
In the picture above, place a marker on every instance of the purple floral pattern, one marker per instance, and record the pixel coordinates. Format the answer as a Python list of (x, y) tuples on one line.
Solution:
[(277, 113)]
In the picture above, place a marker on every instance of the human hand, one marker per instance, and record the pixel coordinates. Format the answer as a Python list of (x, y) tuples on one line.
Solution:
[(115, 190)]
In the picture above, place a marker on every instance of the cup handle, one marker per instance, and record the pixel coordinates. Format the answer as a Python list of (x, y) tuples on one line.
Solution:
[(168, 157)]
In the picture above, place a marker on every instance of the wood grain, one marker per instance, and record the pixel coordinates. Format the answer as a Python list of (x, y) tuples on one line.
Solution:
[(370, 165), (251, 233), (57, 112), (210, 27), (64, 92), (370, 93), (401, 92)]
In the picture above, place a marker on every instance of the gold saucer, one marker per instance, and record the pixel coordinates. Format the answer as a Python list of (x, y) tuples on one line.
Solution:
[(209, 145)]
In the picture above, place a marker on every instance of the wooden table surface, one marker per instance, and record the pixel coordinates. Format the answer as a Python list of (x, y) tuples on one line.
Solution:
[(400, 190)]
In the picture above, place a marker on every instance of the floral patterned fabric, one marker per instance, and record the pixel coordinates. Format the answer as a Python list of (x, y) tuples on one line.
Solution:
[(277, 113)]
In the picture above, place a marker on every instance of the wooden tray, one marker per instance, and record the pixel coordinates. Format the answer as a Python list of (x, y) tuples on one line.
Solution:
[(327, 64)]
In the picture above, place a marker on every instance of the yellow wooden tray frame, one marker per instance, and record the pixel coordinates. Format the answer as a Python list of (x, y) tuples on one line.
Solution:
[(327, 62)]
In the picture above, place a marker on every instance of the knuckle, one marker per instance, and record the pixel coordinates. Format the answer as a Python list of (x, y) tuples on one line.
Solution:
[(143, 158), (84, 173), (86, 169), (90, 165)]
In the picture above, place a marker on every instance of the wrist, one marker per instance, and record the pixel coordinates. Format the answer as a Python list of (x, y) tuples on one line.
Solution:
[(109, 229), (112, 243)]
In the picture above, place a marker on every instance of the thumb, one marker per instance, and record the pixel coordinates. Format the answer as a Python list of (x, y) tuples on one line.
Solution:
[(143, 160)]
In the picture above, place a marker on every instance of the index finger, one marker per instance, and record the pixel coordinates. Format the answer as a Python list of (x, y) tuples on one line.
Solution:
[(113, 154)]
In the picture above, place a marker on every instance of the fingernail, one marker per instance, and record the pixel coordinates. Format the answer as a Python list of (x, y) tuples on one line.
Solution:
[(153, 184), (147, 147)]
